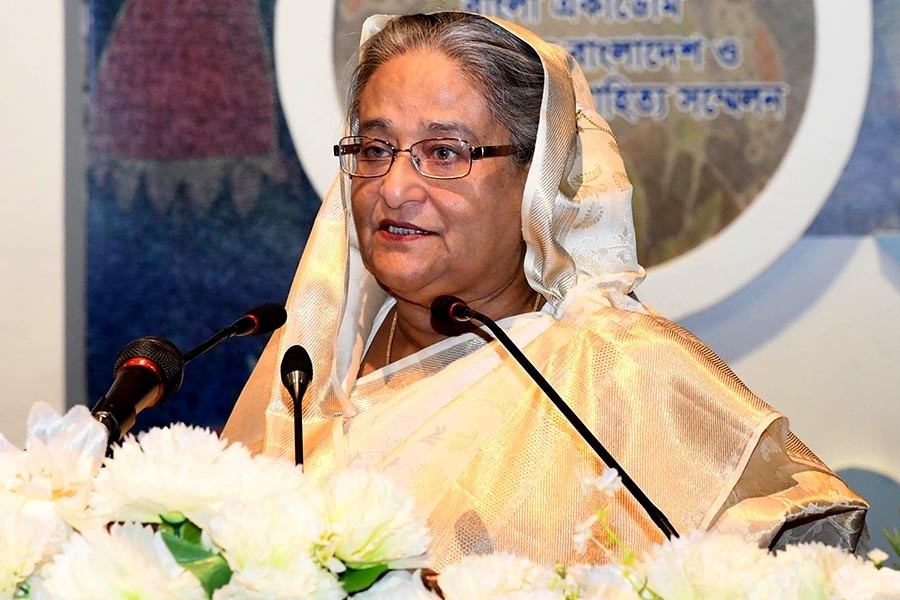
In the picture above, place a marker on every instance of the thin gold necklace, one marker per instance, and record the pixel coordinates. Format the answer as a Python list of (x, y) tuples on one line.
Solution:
[(387, 356), (393, 329)]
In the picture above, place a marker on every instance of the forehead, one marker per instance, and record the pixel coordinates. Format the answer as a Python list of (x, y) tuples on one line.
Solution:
[(423, 92)]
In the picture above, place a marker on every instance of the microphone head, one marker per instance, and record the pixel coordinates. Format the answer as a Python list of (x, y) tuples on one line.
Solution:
[(449, 309), (163, 355), (265, 318), (296, 359)]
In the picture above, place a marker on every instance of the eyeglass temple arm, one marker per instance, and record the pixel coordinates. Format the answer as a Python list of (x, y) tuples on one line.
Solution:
[(340, 150), (489, 151)]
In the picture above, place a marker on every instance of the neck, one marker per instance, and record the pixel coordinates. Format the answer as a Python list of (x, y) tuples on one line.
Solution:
[(414, 329)]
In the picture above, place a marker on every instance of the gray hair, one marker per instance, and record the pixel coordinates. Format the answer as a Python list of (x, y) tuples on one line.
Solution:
[(503, 68)]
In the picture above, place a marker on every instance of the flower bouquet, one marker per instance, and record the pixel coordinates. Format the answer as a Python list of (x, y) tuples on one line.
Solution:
[(177, 513)]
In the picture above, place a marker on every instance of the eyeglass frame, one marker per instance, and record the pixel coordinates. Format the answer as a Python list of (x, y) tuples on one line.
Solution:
[(475, 153)]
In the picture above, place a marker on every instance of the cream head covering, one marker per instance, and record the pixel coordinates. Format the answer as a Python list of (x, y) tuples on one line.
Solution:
[(576, 222)]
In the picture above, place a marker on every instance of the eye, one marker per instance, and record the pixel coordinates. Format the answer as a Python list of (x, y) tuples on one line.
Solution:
[(442, 150), (372, 150)]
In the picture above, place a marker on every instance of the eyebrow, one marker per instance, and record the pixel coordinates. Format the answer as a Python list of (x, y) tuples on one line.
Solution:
[(436, 128)]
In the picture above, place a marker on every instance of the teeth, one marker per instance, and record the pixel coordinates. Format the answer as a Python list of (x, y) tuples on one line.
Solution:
[(404, 230)]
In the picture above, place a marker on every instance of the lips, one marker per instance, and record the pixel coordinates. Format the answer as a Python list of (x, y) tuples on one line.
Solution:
[(395, 228)]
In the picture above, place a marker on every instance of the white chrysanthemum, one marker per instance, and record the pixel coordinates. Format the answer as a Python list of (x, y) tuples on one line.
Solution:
[(26, 542), (704, 565), (271, 533), (606, 582), (488, 576), (398, 585), (271, 476), (304, 579), (862, 581), (818, 571), (171, 469), (794, 573), (371, 521), (533, 595), (62, 455), (128, 561)]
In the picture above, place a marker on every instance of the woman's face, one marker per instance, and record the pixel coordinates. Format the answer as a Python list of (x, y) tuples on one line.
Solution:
[(424, 237)]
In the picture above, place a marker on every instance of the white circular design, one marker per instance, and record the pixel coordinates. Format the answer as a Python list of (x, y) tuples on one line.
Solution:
[(719, 266)]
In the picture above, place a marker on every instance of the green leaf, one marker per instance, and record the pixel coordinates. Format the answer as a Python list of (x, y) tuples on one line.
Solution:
[(210, 568), (213, 573), (893, 540), (357, 580)]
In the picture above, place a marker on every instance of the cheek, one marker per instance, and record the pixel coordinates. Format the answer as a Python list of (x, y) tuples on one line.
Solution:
[(361, 208)]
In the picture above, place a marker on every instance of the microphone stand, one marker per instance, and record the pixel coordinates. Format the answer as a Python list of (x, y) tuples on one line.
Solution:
[(656, 515)]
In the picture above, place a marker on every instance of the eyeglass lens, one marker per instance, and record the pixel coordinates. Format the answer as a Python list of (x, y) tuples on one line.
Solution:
[(438, 157)]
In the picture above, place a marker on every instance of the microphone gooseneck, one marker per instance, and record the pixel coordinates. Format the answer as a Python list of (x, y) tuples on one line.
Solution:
[(452, 309), (296, 373), (259, 320), (148, 371)]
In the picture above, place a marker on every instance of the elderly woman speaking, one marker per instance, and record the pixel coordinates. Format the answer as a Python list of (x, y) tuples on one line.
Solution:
[(475, 165)]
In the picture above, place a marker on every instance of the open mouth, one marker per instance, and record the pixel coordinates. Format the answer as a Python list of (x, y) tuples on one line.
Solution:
[(402, 229)]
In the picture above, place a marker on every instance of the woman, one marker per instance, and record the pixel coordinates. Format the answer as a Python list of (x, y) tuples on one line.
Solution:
[(525, 214)]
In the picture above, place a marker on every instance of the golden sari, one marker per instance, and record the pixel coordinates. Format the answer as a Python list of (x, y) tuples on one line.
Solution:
[(491, 462)]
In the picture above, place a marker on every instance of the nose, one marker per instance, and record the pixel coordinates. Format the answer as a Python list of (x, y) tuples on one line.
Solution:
[(402, 183)]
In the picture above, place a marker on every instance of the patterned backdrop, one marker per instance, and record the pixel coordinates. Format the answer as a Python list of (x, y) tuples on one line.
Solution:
[(198, 207)]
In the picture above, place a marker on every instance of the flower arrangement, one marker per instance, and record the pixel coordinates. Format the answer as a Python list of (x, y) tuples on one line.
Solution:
[(178, 513)]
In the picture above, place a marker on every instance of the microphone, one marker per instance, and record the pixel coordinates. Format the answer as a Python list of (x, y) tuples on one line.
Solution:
[(296, 373), (452, 309), (260, 320), (148, 371)]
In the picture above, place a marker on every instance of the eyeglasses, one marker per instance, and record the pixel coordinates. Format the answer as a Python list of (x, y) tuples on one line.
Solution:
[(437, 158)]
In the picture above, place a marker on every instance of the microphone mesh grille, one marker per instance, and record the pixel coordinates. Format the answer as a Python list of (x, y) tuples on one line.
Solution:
[(160, 352)]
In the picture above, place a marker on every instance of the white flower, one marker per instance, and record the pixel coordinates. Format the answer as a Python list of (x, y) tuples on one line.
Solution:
[(275, 532), (488, 576), (304, 579), (62, 455), (818, 571), (533, 595), (171, 469), (863, 581), (607, 482), (583, 534), (605, 582), (704, 565), (128, 561), (269, 476), (877, 556), (801, 571), (398, 585), (370, 521), (26, 541)]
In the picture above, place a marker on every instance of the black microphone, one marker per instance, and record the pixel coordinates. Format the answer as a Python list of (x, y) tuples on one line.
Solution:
[(147, 372), (296, 373), (452, 309), (260, 320)]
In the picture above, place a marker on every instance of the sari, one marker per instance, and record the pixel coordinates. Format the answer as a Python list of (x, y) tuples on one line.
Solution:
[(491, 462)]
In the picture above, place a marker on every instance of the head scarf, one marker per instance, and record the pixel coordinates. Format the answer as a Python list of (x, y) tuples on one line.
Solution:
[(576, 222)]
